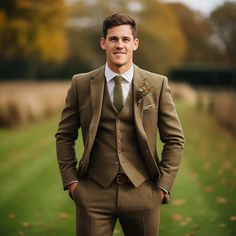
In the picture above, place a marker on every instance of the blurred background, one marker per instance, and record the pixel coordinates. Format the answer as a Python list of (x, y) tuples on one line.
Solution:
[(43, 43)]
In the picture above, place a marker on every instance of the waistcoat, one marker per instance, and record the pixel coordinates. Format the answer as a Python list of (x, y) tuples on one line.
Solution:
[(116, 148)]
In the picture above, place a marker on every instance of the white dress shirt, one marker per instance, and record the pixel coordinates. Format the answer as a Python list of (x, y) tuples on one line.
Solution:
[(126, 84)]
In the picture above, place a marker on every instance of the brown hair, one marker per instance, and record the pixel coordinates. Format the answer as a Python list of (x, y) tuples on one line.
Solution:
[(119, 19)]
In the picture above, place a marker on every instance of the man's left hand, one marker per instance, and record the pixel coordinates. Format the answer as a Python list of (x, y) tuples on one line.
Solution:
[(162, 193)]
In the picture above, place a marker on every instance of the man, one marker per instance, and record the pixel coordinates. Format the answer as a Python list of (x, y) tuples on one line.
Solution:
[(120, 109)]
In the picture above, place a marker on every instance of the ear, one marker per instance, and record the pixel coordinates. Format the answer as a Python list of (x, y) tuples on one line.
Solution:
[(136, 44), (103, 43)]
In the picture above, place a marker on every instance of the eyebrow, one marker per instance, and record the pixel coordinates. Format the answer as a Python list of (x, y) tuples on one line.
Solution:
[(115, 37)]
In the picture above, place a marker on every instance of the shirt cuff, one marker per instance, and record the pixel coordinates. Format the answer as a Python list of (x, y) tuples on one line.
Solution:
[(163, 189)]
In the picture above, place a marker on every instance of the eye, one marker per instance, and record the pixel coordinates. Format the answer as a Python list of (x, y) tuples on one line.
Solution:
[(112, 39), (126, 40)]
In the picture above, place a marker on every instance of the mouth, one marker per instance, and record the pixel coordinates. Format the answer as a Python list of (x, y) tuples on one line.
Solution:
[(117, 53)]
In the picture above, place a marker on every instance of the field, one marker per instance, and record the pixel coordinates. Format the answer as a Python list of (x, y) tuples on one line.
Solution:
[(33, 203)]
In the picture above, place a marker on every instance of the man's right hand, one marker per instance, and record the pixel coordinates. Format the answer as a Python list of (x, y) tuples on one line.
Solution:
[(72, 188)]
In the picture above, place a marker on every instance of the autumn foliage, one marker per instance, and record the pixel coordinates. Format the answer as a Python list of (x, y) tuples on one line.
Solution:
[(56, 38)]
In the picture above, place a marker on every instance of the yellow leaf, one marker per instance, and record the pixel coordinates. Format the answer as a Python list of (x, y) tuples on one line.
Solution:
[(179, 202), (26, 224), (20, 233), (221, 200), (63, 215), (176, 217), (12, 216), (208, 189), (233, 218)]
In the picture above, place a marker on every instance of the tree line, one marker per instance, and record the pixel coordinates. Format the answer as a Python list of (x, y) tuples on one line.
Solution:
[(53, 39)]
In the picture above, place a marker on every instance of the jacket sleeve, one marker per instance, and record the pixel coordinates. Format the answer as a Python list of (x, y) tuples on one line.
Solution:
[(66, 135), (171, 135)]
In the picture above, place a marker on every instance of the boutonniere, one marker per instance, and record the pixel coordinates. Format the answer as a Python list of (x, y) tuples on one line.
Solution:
[(143, 90)]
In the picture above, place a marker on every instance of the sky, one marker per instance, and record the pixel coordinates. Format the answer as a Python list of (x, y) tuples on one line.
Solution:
[(205, 6)]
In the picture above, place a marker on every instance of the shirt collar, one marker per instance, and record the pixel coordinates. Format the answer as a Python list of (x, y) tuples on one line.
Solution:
[(128, 75)]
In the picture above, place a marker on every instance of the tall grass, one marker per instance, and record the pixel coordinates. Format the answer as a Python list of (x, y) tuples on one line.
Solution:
[(21, 103), (220, 104)]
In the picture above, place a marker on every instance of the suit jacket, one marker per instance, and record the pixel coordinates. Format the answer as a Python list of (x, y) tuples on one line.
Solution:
[(154, 115)]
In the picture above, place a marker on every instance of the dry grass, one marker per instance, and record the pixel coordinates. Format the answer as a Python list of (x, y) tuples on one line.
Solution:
[(24, 102), (224, 108), (184, 92), (221, 104)]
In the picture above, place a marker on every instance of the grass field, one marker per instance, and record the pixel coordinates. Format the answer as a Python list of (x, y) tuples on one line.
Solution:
[(203, 200)]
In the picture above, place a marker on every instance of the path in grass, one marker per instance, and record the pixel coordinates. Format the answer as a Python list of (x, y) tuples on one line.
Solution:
[(32, 201)]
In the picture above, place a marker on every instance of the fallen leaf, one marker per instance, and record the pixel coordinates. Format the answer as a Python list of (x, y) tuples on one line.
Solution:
[(189, 234), (12, 216), (227, 165), (185, 221), (179, 202), (26, 224), (208, 189), (197, 226), (63, 215), (20, 233), (222, 225), (176, 217), (223, 181), (193, 176), (207, 166), (221, 200), (213, 219), (233, 218)]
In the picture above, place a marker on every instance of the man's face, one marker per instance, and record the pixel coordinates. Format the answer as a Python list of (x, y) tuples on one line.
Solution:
[(119, 46)]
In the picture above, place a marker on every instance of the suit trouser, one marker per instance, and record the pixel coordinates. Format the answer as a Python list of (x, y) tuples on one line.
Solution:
[(97, 209)]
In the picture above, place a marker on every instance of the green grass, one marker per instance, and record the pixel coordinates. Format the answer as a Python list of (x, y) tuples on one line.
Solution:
[(32, 201)]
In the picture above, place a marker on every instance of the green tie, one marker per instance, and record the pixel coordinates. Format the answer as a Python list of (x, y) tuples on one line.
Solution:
[(118, 95)]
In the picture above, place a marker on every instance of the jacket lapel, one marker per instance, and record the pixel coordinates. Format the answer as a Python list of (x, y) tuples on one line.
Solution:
[(97, 91), (138, 109), (141, 134)]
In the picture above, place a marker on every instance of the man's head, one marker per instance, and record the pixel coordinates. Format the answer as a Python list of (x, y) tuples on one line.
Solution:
[(119, 19), (119, 41)]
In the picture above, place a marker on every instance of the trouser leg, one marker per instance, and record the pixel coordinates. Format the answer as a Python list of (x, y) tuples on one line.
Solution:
[(139, 209), (95, 209)]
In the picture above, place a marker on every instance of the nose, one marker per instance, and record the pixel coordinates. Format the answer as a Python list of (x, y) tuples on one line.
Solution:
[(119, 44)]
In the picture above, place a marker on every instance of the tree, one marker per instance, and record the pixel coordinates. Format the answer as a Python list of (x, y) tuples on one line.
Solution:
[(162, 41), (33, 30), (223, 19), (163, 44), (198, 33)]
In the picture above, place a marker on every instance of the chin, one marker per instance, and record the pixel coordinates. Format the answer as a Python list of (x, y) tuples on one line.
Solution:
[(119, 63)]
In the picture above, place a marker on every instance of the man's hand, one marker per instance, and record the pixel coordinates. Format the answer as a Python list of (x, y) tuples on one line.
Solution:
[(162, 193), (72, 188)]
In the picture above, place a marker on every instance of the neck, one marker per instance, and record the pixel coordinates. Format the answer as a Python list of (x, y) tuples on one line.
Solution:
[(119, 69)]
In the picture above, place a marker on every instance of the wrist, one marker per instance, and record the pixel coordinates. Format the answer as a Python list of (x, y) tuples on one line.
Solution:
[(72, 187), (162, 193)]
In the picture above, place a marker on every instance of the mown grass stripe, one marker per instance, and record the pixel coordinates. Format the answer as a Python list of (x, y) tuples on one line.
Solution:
[(15, 157), (22, 138), (17, 178)]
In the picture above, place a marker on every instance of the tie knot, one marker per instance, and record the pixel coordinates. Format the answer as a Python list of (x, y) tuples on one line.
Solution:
[(118, 79)]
